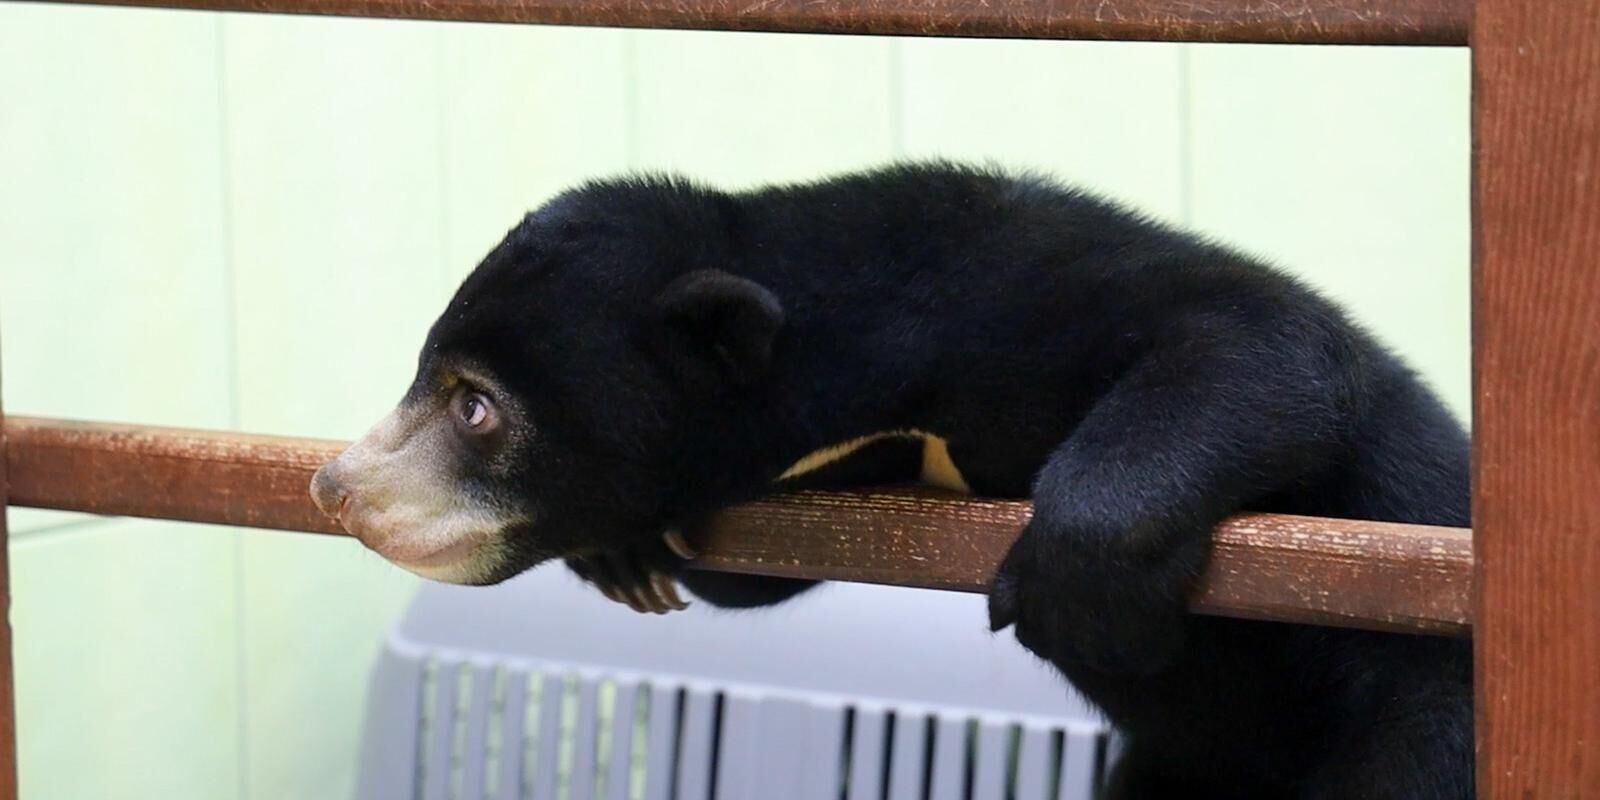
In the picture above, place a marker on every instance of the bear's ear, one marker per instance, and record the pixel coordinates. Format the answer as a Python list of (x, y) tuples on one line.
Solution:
[(731, 320)]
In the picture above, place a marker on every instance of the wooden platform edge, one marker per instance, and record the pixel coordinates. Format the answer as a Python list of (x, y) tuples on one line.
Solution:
[(1382, 576), (1364, 22)]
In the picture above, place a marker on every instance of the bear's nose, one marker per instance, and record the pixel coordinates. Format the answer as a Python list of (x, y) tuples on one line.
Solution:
[(328, 492)]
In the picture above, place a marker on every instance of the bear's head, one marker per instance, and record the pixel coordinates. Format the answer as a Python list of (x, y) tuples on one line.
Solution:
[(571, 394)]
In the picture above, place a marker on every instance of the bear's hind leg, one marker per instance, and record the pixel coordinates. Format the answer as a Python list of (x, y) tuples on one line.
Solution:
[(1422, 750), (1144, 772)]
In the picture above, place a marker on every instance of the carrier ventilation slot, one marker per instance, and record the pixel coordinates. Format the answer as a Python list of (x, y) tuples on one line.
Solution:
[(496, 732)]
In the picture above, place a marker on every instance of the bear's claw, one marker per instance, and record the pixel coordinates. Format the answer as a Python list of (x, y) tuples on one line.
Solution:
[(626, 578), (678, 545)]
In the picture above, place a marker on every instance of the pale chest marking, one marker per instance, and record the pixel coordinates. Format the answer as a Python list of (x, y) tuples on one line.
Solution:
[(937, 467)]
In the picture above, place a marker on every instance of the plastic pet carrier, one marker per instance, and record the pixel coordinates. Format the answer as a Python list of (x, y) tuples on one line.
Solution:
[(540, 689)]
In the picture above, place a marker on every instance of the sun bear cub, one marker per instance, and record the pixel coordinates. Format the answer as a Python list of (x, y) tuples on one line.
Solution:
[(639, 353)]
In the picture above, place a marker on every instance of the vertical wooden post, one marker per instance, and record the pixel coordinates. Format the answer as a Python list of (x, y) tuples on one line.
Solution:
[(8, 719), (1536, 316)]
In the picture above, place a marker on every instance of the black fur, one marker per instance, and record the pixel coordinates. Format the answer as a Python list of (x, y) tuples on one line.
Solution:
[(675, 348)]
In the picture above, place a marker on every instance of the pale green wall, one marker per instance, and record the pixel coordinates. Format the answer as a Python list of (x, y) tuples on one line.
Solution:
[(247, 221)]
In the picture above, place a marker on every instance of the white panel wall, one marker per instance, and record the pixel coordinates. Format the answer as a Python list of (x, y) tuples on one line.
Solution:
[(113, 305), (525, 113), (1109, 116), (737, 109), (336, 191), (1349, 167)]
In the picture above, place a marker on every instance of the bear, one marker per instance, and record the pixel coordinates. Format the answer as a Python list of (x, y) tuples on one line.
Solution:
[(642, 351)]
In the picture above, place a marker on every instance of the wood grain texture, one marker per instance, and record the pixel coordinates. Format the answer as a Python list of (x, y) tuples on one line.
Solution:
[(8, 705), (1405, 22), (1537, 392), (167, 473), (1265, 566), (1338, 572)]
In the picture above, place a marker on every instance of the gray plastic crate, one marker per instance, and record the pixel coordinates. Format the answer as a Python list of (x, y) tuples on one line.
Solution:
[(539, 689)]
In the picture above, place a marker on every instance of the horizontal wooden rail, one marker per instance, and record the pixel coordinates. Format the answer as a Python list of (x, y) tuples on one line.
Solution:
[(1411, 578), (1395, 22)]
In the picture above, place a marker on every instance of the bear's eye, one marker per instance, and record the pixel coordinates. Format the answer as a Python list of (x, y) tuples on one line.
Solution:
[(475, 411)]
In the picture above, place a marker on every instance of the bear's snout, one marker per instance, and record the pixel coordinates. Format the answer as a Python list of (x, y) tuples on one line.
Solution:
[(328, 492)]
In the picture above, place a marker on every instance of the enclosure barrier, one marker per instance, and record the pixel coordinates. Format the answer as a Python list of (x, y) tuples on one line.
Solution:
[(1536, 371), (1409, 22), (1412, 578)]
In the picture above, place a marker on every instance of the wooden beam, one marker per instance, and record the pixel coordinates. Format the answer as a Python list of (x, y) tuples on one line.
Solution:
[(8, 709), (1409, 578), (1395, 22), (1536, 316)]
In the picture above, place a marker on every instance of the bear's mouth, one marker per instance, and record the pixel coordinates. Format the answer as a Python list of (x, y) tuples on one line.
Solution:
[(451, 543)]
